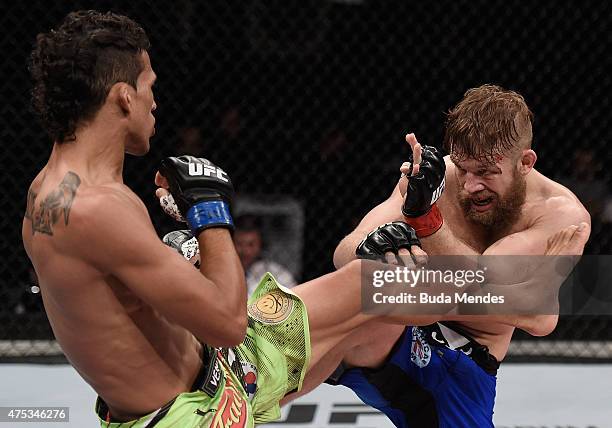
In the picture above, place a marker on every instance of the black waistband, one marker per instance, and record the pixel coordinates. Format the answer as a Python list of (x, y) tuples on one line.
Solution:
[(452, 336), (208, 357), (209, 378)]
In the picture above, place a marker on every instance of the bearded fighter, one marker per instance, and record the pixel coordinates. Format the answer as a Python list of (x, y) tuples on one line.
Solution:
[(485, 198)]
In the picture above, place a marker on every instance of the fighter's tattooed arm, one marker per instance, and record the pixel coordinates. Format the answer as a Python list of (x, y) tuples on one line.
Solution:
[(29, 214), (55, 204)]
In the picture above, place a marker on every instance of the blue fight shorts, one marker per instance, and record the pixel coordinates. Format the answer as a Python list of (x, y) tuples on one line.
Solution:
[(435, 376)]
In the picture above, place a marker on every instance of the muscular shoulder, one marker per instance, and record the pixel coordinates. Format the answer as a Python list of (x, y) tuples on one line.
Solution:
[(101, 214), (112, 230), (98, 205), (57, 202), (94, 200), (557, 203)]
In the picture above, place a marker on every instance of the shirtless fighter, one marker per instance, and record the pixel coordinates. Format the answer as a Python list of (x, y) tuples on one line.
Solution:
[(494, 203), (138, 323), (125, 309)]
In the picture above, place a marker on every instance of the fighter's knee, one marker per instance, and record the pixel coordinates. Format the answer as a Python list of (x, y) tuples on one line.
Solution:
[(371, 344)]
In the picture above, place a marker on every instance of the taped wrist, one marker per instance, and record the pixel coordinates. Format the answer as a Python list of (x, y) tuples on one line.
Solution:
[(207, 214), (428, 223)]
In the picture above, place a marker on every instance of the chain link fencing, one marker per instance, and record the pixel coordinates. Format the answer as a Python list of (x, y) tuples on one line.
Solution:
[(308, 102)]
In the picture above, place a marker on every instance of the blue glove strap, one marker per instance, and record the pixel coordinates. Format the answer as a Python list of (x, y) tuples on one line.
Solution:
[(209, 214)]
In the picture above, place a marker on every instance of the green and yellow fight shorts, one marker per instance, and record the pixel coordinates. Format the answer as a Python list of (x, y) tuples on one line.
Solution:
[(242, 386)]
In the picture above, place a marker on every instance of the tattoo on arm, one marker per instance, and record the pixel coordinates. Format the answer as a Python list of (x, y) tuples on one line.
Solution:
[(29, 214), (56, 203)]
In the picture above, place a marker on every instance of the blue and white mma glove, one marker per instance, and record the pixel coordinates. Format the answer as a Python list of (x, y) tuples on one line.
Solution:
[(202, 191)]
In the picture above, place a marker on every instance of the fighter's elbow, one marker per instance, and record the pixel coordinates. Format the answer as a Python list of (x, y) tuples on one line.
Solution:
[(345, 251), (232, 332), (239, 327), (586, 217), (338, 259), (539, 325), (237, 331)]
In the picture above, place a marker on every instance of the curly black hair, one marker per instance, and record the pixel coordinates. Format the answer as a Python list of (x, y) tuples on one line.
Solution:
[(74, 67)]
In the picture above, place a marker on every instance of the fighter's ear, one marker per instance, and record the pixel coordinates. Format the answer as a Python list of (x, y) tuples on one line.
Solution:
[(527, 161), (122, 94)]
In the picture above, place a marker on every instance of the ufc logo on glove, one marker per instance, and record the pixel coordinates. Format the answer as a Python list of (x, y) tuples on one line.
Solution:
[(198, 169)]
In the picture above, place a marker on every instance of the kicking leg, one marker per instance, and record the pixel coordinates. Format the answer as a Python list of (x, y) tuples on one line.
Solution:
[(337, 323), (368, 346)]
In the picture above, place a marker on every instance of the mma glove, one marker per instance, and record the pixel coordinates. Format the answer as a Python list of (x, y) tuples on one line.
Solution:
[(424, 189), (203, 192), (389, 237), (185, 244)]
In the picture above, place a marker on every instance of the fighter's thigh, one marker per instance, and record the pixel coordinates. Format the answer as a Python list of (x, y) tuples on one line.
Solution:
[(367, 346), (372, 346), (333, 305), (317, 373)]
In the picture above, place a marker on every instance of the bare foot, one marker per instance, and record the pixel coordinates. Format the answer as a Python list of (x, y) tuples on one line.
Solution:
[(569, 241)]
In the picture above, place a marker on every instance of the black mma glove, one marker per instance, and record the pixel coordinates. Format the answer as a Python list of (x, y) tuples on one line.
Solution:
[(186, 245), (424, 189), (202, 191), (389, 237)]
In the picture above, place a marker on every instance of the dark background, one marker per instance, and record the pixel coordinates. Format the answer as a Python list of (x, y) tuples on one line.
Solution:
[(312, 99)]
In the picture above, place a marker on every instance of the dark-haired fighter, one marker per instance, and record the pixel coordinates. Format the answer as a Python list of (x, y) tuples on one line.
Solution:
[(129, 314)]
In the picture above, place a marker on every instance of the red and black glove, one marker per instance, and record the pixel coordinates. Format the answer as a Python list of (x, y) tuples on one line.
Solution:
[(424, 189)]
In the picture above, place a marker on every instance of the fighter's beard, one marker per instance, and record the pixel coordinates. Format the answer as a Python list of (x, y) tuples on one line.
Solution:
[(505, 211)]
